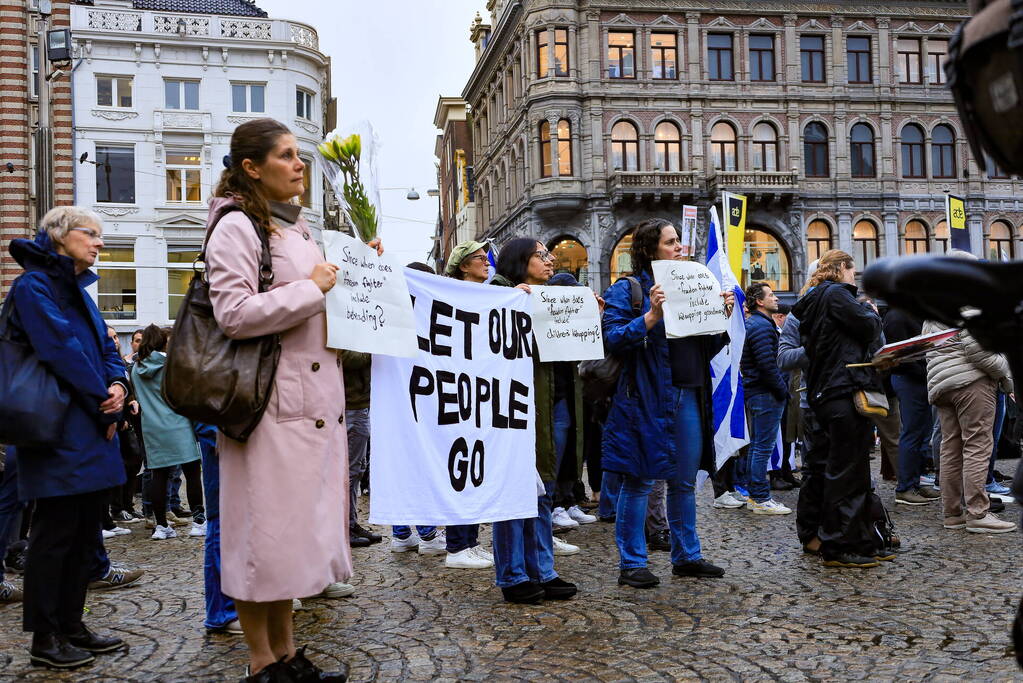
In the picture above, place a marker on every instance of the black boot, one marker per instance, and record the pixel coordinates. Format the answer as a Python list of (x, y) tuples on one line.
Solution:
[(304, 671), (558, 589), (54, 650), (87, 640), (366, 533), (278, 672), (525, 593)]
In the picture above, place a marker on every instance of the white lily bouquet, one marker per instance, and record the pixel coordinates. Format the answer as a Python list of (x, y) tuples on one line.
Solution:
[(351, 170)]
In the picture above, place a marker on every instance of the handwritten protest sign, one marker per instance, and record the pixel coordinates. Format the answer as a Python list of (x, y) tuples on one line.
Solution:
[(692, 303), (453, 428), (566, 323), (369, 308)]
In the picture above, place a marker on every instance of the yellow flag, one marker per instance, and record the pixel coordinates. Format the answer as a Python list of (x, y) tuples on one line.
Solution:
[(955, 210), (735, 229)]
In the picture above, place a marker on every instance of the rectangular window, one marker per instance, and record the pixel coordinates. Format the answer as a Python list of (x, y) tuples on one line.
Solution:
[(937, 53), (811, 53), (184, 182), (248, 98), (116, 288), (303, 104), (542, 46), (179, 275), (664, 49), (560, 52), (719, 57), (858, 55), (761, 58), (115, 175), (181, 94), (33, 85), (114, 91), (621, 54), (307, 183), (908, 57)]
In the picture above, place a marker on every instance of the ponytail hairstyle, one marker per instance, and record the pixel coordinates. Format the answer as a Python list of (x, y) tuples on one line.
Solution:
[(645, 239), (154, 338), (513, 261), (829, 267), (252, 140)]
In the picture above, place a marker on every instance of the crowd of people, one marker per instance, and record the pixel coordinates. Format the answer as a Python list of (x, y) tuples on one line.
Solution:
[(279, 512)]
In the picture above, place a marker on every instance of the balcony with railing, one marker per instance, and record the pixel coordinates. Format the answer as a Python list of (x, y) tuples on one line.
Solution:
[(766, 182), (656, 184)]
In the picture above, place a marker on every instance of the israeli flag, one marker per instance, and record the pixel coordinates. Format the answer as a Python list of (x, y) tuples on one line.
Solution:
[(730, 430)]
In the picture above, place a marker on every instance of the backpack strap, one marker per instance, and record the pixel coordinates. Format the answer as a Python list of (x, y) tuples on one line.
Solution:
[(637, 294), (266, 271)]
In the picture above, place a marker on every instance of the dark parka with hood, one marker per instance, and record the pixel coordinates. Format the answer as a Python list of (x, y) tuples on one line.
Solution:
[(59, 319)]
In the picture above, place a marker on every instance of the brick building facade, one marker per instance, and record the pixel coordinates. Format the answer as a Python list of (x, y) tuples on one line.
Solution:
[(454, 173)]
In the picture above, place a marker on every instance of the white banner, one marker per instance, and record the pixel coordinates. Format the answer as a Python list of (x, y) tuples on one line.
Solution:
[(566, 323), (369, 308), (452, 428), (692, 299)]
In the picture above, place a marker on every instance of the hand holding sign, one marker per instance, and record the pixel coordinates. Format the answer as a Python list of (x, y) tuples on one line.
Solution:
[(692, 299), (566, 323)]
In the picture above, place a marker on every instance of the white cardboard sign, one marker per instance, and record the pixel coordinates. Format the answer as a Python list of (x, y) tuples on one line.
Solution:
[(369, 308), (566, 323), (692, 304)]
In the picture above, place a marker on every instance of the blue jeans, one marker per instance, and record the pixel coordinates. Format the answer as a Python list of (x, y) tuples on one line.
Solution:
[(220, 610), (999, 423), (10, 506), (462, 536), (425, 532), (681, 503), (765, 418), (610, 487), (914, 440)]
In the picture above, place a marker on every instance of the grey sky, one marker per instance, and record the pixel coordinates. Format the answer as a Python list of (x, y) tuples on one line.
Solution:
[(391, 60)]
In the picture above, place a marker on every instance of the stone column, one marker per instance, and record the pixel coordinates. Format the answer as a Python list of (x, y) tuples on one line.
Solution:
[(891, 234), (845, 242), (884, 54), (792, 65), (693, 52)]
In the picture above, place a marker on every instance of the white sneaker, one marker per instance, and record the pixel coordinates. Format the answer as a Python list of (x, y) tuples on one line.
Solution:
[(738, 496), (726, 501), (162, 533), (560, 517), (438, 545), (120, 531), (296, 605), (768, 507), (466, 559), (576, 513), (403, 545), (480, 551), (234, 627), (108, 534), (337, 590), (197, 529), (562, 548)]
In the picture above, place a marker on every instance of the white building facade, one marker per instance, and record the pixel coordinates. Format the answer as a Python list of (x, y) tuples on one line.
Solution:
[(157, 93)]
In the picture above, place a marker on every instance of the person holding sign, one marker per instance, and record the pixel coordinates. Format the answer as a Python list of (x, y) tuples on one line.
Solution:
[(283, 491), (524, 548), (660, 423)]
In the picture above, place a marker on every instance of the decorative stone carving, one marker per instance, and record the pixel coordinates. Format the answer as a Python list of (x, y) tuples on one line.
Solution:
[(114, 115), (245, 28), (238, 120), (138, 54), (182, 120), (115, 210), (115, 21), (156, 54), (195, 25), (223, 57), (307, 125), (205, 58), (305, 36)]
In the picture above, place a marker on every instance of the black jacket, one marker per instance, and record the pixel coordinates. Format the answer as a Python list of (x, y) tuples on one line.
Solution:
[(836, 330), (760, 373), (899, 326)]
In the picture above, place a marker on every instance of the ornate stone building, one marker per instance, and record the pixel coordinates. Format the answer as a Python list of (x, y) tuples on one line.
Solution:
[(832, 117)]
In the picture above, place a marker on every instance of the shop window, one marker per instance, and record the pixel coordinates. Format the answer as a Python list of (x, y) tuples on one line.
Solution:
[(941, 237), (818, 239), (117, 288), (764, 259), (179, 275), (570, 257), (915, 238), (1000, 245), (866, 247), (621, 258)]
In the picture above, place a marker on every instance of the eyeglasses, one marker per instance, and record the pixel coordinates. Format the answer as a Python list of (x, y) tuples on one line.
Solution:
[(544, 255), (477, 257), (93, 234)]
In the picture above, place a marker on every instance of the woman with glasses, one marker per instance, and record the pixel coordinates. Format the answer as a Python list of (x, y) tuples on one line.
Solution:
[(70, 481), (524, 548), (660, 425)]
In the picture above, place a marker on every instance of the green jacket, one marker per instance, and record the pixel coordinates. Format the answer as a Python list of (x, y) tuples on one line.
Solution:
[(543, 400), (356, 367)]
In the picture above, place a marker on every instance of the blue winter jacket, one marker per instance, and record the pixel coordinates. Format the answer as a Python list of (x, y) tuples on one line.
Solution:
[(56, 315), (639, 434), (760, 373)]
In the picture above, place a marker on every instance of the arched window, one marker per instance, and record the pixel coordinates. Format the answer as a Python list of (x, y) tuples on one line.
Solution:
[(913, 152), (1000, 245), (564, 148), (668, 147), (547, 169), (723, 146), (861, 143), (943, 157), (866, 247), (818, 239), (765, 147), (570, 257), (941, 236), (621, 258), (815, 150), (624, 147), (765, 259), (915, 241)]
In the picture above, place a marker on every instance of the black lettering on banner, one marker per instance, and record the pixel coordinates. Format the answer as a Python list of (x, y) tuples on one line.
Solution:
[(446, 398), (482, 396), (458, 463), (417, 388), (494, 331), (499, 421), (468, 319), (523, 327), (464, 397), (476, 466), (517, 389), (438, 328)]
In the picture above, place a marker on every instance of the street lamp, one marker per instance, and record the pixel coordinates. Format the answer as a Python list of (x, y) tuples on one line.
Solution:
[(412, 195)]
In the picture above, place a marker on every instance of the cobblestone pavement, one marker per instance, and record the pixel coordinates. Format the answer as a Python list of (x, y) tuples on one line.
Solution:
[(942, 611)]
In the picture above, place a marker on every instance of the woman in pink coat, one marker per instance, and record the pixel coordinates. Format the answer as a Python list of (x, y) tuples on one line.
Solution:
[(282, 492)]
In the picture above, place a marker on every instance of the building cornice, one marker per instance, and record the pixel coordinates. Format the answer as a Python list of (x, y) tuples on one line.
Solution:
[(500, 38), (949, 9)]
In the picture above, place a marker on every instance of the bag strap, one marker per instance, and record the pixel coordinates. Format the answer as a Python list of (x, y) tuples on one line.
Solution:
[(636, 292), (266, 271)]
